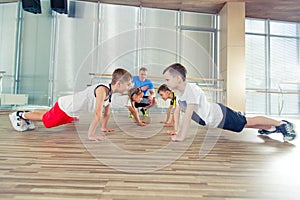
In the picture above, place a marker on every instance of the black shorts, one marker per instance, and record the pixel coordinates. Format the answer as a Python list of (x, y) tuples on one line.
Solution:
[(232, 120), (145, 102)]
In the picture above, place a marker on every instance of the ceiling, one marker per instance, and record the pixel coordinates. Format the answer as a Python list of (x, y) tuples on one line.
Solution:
[(283, 10)]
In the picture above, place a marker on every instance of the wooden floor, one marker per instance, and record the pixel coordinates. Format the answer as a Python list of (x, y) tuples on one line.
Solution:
[(140, 163)]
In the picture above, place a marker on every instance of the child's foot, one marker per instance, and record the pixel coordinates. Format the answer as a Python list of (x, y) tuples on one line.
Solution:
[(287, 130), (29, 123), (17, 123), (144, 112), (168, 125), (289, 123), (177, 138), (265, 132)]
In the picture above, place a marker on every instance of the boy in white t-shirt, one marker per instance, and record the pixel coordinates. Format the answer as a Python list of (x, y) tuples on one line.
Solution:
[(192, 101), (66, 109)]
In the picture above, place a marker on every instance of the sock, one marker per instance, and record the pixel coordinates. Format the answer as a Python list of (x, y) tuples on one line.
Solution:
[(22, 115), (19, 113), (273, 128)]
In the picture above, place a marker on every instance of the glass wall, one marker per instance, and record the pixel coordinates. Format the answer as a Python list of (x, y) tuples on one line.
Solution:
[(272, 58), (35, 55), (74, 42), (158, 40), (58, 51), (200, 30), (118, 38), (8, 33)]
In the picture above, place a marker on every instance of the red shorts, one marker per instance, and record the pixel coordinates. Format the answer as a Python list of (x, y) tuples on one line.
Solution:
[(55, 117)]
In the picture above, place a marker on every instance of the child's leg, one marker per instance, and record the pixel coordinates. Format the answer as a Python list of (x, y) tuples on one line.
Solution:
[(143, 104), (153, 103), (261, 122), (268, 125), (35, 115), (22, 120)]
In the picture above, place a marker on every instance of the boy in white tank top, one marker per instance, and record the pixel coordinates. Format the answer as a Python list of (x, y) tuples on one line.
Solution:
[(94, 98)]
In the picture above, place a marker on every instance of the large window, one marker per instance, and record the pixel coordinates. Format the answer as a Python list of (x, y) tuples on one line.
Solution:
[(8, 30), (272, 59), (57, 51)]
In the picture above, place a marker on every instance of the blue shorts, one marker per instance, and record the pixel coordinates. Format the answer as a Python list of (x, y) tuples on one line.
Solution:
[(232, 120)]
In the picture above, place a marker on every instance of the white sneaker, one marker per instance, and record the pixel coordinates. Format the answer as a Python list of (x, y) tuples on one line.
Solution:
[(30, 124), (17, 123)]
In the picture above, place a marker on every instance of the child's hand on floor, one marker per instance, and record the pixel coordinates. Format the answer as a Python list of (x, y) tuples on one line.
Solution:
[(172, 132)]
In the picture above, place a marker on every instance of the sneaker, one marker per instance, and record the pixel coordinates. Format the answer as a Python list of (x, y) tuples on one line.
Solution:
[(291, 124), (145, 112), (287, 131), (265, 132), (130, 115), (30, 124), (17, 123)]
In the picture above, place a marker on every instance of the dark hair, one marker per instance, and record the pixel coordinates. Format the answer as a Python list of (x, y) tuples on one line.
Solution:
[(163, 88), (176, 69), (121, 75), (134, 91)]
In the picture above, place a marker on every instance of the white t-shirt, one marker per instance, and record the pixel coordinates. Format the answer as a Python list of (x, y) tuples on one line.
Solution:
[(210, 113), (83, 101)]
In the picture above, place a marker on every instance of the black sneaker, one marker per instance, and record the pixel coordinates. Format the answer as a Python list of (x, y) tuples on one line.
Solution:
[(289, 123), (287, 131), (144, 112), (265, 132)]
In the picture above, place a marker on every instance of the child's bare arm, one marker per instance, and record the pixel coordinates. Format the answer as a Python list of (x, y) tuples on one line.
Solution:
[(136, 116), (169, 113), (176, 121), (100, 96), (105, 120), (176, 117), (185, 123)]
